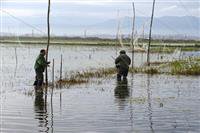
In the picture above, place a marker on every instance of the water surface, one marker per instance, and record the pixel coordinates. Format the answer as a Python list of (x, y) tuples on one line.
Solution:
[(145, 103)]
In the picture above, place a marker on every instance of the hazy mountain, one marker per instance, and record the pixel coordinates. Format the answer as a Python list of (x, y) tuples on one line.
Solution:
[(167, 25), (186, 25)]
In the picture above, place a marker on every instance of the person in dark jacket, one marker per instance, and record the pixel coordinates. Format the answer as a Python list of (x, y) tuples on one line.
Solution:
[(122, 63), (40, 66)]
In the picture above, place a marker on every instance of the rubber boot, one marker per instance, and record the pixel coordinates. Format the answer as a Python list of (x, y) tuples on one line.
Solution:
[(118, 77)]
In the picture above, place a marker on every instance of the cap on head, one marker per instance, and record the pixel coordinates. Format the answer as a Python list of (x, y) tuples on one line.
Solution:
[(122, 52), (42, 51)]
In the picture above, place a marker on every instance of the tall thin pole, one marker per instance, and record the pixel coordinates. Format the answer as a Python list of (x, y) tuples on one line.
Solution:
[(53, 70), (48, 40), (16, 59), (148, 58), (117, 34), (133, 28), (61, 63)]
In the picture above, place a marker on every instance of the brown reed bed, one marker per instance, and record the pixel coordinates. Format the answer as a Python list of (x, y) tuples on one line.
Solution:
[(182, 67), (71, 81), (84, 77), (145, 69)]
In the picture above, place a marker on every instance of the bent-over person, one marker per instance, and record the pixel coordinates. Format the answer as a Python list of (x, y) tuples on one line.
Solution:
[(122, 63)]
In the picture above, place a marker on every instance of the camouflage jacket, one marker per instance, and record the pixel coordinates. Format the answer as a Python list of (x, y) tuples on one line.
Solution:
[(40, 63), (123, 61)]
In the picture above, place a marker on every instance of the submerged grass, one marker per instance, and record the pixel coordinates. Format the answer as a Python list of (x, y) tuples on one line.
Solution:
[(191, 66), (95, 74), (84, 77), (159, 49), (145, 69), (72, 81)]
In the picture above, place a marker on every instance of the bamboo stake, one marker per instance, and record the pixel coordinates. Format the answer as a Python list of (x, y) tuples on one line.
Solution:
[(133, 27), (61, 63), (52, 122), (48, 40), (16, 59), (116, 41), (148, 58), (53, 73)]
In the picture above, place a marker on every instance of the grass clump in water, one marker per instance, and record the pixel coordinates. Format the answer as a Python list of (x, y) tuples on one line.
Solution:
[(191, 66), (96, 74), (71, 81), (147, 70), (151, 70), (83, 77)]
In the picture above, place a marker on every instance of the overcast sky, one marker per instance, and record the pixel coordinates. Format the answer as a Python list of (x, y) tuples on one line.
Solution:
[(104, 9), (32, 13)]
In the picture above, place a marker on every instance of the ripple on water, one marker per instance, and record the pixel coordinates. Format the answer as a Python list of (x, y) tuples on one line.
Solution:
[(159, 103)]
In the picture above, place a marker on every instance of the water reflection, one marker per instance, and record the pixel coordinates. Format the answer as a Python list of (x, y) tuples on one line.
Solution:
[(149, 100), (41, 111), (52, 115), (121, 93)]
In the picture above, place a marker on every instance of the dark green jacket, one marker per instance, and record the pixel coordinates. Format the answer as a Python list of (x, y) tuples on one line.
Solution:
[(123, 61), (40, 63)]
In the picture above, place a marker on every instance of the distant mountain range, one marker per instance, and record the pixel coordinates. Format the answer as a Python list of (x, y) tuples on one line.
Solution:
[(188, 26), (167, 25)]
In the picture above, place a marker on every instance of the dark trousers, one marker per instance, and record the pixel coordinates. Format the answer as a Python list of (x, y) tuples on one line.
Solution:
[(122, 73), (39, 78)]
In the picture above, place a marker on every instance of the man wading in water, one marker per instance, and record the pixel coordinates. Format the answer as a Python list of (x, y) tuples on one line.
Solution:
[(40, 66), (122, 63)]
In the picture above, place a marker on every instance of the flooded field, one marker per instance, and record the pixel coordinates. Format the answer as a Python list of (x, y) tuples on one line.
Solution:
[(145, 103)]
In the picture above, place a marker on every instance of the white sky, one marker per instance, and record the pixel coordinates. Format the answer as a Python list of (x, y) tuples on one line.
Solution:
[(101, 8)]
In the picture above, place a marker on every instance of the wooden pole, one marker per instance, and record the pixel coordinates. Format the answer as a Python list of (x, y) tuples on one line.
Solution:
[(61, 63), (52, 123), (16, 59), (117, 34), (132, 36), (48, 40), (148, 58), (53, 73)]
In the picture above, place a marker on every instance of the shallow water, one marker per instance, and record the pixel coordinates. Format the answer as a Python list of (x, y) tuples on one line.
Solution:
[(159, 103)]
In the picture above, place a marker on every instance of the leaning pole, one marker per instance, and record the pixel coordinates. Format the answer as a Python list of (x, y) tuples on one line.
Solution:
[(149, 44), (132, 35), (48, 39)]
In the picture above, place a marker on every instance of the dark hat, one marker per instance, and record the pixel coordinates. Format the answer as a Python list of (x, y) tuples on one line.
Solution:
[(42, 50), (122, 52)]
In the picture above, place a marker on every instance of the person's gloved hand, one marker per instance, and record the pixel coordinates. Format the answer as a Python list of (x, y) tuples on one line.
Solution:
[(48, 63), (117, 65)]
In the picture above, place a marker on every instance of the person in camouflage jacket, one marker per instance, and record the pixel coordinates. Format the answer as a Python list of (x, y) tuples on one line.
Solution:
[(40, 66), (122, 63)]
